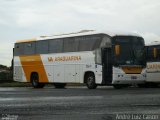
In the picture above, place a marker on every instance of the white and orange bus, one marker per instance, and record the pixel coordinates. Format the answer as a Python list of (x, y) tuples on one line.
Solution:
[(153, 64), (90, 57)]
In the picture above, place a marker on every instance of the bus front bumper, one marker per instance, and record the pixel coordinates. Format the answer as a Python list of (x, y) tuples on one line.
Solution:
[(129, 79)]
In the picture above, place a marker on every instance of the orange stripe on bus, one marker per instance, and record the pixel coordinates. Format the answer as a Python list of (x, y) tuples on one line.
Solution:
[(29, 40), (33, 63)]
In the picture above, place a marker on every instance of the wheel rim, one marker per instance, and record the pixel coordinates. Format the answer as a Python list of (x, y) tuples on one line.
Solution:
[(90, 81), (35, 81)]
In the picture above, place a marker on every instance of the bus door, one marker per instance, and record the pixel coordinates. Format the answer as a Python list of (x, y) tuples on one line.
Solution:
[(107, 66)]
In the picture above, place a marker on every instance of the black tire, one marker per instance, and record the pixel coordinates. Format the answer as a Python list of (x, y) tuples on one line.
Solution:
[(90, 81), (59, 85), (35, 81)]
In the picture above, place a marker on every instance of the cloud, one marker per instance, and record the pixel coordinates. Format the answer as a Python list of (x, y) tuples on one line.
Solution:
[(150, 37), (22, 19)]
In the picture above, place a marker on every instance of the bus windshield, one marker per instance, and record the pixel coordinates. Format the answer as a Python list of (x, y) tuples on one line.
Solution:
[(131, 50)]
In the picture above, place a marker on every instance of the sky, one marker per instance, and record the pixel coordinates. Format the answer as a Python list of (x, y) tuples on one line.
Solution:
[(25, 19)]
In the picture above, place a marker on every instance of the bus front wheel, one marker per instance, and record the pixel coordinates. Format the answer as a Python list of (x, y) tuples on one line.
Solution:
[(35, 81), (90, 81)]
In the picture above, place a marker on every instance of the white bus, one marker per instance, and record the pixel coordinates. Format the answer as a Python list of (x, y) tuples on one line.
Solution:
[(153, 64), (93, 58)]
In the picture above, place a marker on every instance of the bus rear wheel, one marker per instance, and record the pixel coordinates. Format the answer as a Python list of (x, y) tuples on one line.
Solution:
[(90, 81), (59, 85), (35, 81)]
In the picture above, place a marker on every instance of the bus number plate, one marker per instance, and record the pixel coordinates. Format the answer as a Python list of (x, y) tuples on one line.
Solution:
[(133, 77)]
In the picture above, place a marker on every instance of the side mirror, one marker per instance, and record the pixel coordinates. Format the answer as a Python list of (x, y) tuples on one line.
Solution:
[(154, 52), (117, 50)]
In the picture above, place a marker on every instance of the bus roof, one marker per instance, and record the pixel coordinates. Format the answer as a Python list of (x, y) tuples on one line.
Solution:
[(27, 40), (81, 33)]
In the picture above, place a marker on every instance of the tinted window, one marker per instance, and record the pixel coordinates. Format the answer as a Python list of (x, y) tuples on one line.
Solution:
[(98, 57), (55, 46), (88, 43), (158, 53), (106, 42), (73, 44), (150, 53), (19, 49), (42, 47), (131, 50), (29, 48), (69, 45)]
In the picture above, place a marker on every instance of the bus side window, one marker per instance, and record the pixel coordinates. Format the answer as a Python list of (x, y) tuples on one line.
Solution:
[(153, 53), (18, 49), (106, 42), (55, 46), (158, 53), (85, 44), (29, 48), (69, 45), (98, 57), (41, 47), (149, 54), (88, 43)]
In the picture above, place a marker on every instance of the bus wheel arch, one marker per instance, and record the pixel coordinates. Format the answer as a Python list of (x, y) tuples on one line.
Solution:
[(89, 80), (34, 79)]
